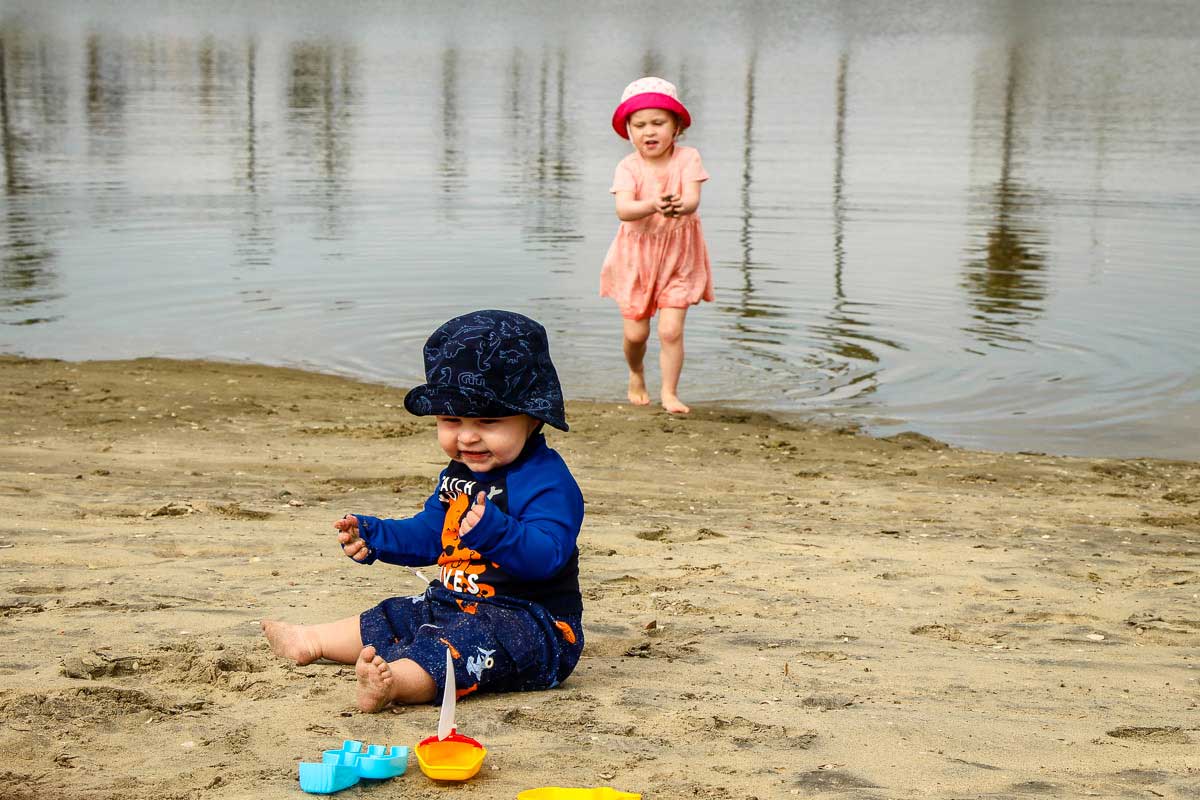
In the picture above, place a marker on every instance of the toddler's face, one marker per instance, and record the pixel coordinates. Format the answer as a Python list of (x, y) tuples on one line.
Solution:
[(484, 443), (652, 130)]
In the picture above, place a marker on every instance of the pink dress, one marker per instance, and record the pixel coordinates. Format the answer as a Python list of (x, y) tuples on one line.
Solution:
[(657, 262)]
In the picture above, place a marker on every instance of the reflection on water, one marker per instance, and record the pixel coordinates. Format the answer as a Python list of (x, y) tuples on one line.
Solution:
[(747, 310), (451, 166), (321, 81), (255, 229), (975, 220), (847, 326), (542, 144), (1004, 276), (27, 277), (106, 91), (753, 329)]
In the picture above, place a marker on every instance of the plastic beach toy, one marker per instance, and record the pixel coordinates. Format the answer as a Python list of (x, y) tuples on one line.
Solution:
[(328, 776), (559, 793), (449, 756), (455, 758), (341, 769), (380, 763)]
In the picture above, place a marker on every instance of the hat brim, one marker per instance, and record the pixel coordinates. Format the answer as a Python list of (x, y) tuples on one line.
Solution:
[(648, 100), (459, 401)]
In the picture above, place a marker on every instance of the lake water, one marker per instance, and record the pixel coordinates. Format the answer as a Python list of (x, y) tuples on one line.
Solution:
[(980, 221)]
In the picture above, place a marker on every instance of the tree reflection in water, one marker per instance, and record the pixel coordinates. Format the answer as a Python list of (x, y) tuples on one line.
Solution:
[(27, 274), (1003, 276)]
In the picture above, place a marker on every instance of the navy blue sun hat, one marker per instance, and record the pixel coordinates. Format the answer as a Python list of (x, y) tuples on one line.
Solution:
[(489, 364)]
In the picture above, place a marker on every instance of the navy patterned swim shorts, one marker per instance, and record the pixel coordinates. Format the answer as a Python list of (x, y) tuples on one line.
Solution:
[(498, 644)]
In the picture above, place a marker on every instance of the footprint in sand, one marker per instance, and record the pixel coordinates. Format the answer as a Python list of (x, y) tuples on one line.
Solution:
[(663, 650), (1164, 578), (832, 780), (822, 656), (827, 702), (950, 633), (664, 534), (746, 733), (97, 664), (235, 511), (1151, 735), (89, 704), (228, 669), (1168, 631)]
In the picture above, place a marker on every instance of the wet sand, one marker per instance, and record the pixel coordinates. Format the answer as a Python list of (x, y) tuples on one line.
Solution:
[(773, 610)]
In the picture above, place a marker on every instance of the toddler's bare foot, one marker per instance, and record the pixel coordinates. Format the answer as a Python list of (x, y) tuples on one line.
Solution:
[(638, 394), (672, 404), (375, 681), (290, 641)]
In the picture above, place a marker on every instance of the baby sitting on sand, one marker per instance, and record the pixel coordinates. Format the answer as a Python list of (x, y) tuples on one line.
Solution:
[(501, 524)]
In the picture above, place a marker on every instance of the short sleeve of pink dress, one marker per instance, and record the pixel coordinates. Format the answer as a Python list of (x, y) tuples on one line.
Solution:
[(657, 262)]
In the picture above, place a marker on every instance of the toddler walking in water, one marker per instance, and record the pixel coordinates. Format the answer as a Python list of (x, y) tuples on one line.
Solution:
[(501, 523), (658, 260)]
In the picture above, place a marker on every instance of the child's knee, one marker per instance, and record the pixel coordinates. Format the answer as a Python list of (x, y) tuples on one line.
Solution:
[(637, 334), (670, 332)]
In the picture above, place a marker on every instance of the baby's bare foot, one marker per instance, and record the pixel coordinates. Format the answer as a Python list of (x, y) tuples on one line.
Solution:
[(375, 682), (290, 641), (672, 404), (638, 394)]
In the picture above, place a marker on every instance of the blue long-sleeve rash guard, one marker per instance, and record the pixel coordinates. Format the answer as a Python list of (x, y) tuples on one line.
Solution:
[(525, 543)]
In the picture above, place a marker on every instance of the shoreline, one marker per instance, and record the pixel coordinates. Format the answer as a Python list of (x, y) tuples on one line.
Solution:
[(876, 425), (774, 608)]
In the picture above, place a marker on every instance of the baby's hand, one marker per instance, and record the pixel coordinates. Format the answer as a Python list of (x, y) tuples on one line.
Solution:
[(348, 537), (473, 515)]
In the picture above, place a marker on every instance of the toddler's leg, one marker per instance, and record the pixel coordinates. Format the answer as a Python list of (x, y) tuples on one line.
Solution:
[(338, 641), (636, 332), (670, 357), (381, 683)]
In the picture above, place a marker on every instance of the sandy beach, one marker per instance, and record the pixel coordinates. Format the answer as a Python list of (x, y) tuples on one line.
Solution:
[(772, 610)]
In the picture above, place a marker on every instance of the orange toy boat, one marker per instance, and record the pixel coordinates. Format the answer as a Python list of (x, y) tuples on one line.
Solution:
[(449, 756)]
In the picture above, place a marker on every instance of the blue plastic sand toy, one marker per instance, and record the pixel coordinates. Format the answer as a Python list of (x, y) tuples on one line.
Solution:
[(341, 769)]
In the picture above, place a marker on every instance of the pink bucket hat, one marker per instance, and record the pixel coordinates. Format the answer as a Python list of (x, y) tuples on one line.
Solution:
[(648, 93)]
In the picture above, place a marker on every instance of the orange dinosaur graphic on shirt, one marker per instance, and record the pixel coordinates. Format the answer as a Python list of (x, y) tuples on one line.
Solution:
[(460, 565)]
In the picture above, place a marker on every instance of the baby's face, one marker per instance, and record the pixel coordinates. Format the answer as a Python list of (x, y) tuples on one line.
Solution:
[(484, 443)]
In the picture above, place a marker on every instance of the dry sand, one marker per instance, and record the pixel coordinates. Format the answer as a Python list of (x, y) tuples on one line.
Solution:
[(773, 610)]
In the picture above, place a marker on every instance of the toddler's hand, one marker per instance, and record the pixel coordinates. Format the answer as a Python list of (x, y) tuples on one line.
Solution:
[(473, 515), (348, 537), (668, 205)]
